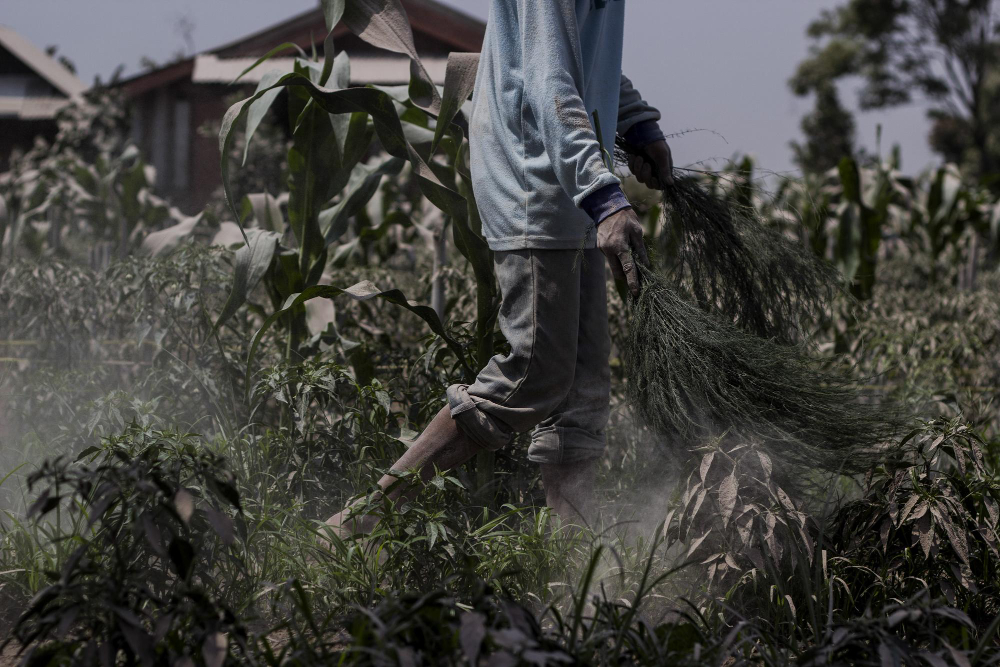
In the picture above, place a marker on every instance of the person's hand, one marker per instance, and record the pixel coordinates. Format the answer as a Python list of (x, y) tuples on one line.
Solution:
[(654, 167), (619, 236)]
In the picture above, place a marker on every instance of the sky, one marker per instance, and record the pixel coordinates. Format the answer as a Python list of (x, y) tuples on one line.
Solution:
[(718, 66)]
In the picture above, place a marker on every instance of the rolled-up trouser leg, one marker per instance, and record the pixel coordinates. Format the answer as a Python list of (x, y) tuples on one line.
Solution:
[(547, 296)]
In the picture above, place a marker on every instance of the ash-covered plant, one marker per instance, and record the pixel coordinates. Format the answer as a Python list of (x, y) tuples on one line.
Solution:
[(693, 377), (930, 519), (721, 254), (733, 517), (415, 628), (908, 569), (152, 510)]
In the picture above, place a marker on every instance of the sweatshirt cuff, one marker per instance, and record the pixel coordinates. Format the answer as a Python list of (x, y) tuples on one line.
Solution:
[(602, 203), (644, 133)]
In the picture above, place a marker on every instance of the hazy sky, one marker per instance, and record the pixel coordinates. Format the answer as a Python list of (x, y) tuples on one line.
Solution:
[(720, 65)]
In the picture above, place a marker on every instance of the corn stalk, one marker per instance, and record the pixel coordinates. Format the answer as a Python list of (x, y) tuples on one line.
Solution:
[(334, 126)]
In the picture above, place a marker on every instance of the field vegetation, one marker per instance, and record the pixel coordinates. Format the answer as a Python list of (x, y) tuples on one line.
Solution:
[(178, 421)]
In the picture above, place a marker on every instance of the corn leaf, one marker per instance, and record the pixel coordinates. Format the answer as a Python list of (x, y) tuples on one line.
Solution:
[(252, 262), (383, 23), (363, 291), (350, 100), (459, 82), (362, 186)]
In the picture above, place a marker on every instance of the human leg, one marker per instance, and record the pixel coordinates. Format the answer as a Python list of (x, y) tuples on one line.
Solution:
[(569, 442), (539, 316), (441, 445)]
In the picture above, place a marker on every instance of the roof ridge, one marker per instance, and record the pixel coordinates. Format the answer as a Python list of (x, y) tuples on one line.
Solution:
[(42, 63)]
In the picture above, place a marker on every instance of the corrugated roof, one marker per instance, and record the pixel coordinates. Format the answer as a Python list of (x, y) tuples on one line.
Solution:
[(44, 65), (364, 70)]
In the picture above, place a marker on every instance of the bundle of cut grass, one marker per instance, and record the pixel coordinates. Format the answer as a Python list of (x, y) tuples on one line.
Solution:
[(728, 260), (693, 377)]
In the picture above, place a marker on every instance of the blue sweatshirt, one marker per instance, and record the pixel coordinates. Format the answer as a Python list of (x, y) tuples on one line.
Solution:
[(540, 178)]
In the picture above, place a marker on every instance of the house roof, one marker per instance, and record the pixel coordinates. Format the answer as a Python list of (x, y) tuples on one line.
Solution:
[(387, 70), (452, 28), (41, 63)]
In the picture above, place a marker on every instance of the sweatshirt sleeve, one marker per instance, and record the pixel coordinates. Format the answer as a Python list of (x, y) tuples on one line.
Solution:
[(553, 81), (637, 119)]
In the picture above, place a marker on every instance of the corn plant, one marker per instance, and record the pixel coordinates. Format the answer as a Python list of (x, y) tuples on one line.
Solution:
[(334, 126), (91, 182)]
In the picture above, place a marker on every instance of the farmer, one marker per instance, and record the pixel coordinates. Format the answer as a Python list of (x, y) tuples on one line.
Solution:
[(542, 185)]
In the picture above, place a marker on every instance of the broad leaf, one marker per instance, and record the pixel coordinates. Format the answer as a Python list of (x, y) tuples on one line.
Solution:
[(270, 54), (459, 82), (252, 262), (258, 110), (363, 291), (266, 211), (165, 240), (387, 125), (362, 186), (383, 23), (333, 10), (311, 159)]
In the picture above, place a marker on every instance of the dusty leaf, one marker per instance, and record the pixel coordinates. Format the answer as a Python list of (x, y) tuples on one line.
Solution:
[(924, 534), (697, 543), (955, 536), (184, 504), (743, 525), (698, 502), (706, 464), (471, 635), (214, 649), (910, 504), (221, 523), (765, 464), (786, 502), (727, 497)]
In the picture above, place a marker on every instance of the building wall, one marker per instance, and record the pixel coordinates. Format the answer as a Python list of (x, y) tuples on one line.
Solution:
[(168, 126), (17, 81), (20, 135)]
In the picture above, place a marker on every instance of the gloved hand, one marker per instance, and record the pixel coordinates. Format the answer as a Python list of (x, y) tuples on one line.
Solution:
[(619, 237), (654, 167)]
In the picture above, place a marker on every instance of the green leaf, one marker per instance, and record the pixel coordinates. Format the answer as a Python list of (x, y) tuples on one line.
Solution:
[(356, 136), (259, 109), (333, 10), (459, 82), (363, 291), (361, 188), (311, 159), (252, 262), (266, 211), (383, 23), (270, 54), (850, 180), (382, 110)]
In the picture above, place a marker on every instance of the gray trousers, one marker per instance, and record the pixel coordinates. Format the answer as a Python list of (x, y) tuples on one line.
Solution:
[(556, 379)]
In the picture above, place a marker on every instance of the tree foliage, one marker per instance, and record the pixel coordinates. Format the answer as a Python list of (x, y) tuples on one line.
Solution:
[(947, 51)]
